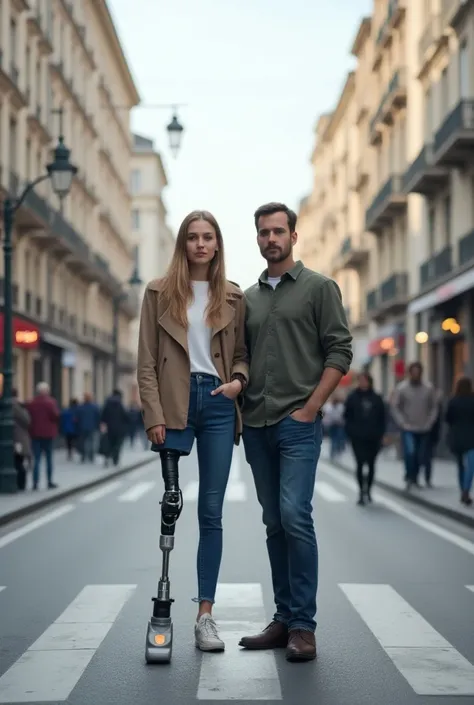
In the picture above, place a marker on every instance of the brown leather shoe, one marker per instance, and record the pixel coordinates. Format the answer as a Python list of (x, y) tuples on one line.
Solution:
[(275, 636), (301, 645)]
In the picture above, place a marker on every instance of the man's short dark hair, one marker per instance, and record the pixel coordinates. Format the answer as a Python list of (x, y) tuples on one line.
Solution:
[(415, 366), (271, 208)]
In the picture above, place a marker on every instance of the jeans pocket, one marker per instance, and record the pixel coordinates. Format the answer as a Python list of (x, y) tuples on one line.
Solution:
[(301, 423)]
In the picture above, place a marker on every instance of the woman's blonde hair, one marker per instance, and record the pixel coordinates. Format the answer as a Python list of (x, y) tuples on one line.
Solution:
[(177, 291)]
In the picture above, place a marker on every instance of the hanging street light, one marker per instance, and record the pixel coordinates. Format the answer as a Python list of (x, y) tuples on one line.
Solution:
[(175, 133), (61, 173)]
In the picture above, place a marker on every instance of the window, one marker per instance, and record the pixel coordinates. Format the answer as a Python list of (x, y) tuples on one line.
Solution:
[(447, 219), (428, 113), (431, 229), (136, 181), (136, 219), (444, 92), (464, 70)]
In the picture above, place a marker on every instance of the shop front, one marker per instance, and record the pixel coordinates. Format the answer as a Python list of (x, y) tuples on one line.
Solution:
[(445, 331), (56, 366), (387, 357), (26, 339)]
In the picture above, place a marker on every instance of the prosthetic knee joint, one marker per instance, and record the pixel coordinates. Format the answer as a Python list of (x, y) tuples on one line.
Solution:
[(160, 627)]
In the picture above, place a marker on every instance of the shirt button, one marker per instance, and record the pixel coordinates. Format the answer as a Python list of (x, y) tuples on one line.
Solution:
[(216, 354)]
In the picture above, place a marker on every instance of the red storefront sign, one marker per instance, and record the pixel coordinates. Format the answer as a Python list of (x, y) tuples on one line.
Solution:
[(25, 334)]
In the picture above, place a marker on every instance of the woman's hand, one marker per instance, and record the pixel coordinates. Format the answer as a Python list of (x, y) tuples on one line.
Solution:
[(231, 390), (157, 434)]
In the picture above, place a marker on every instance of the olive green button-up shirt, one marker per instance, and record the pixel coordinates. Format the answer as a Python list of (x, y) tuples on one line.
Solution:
[(293, 333)]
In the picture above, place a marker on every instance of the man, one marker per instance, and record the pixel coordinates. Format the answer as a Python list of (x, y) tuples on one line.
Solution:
[(300, 347), (366, 423), (114, 422), (44, 428), (415, 408), (88, 425)]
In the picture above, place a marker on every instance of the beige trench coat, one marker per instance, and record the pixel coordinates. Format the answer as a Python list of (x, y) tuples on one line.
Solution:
[(163, 358)]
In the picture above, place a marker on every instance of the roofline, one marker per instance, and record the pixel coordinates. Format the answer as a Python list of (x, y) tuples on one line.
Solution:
[(105, 15), (362, 35), (341, 106)]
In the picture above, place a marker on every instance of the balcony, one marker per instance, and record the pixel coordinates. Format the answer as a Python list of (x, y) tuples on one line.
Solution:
[(428, 44), (387, 204), (353, 253), (466, 249), (436, 268), (449, 9), (359, 175), (9, 82), (390, 297), (423, 176), (454, 141), (394, 98), (395, 13)]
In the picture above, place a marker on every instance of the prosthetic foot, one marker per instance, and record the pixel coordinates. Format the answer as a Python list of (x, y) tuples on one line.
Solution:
[(159, 639)]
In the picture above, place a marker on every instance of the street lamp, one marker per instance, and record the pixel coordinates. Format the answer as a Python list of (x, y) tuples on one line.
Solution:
[(175, 133), (134, 283), (61, 173)]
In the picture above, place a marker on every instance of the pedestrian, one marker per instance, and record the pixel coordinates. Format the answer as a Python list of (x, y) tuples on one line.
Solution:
[(334, 417), (114, 423), (192, 368), (88, 425), (300, 347), (69, 430), (415, 407), (21, 439), (366, 424), (45, 416), (460, 420)]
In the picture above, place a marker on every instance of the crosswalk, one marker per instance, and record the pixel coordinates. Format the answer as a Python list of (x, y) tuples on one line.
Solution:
[(54, 664)]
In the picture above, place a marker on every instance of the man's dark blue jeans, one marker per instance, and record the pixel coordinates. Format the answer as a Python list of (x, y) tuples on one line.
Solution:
[(416, 453), (283, 458), (40, 446)]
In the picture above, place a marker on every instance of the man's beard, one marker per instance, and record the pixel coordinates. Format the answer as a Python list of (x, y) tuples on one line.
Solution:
[(277, 255)]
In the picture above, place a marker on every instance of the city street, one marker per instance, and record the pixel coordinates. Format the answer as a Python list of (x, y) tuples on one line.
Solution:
[(396, 601)]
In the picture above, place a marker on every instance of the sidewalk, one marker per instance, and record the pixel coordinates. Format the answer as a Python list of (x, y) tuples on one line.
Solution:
[(442, 498), (71, 477)]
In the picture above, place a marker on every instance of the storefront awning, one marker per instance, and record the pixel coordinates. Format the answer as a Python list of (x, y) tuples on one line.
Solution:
[(458, 285)]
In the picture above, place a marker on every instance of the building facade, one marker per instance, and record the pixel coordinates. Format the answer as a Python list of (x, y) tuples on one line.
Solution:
[(410, 188), (151, 233), (71, 259)]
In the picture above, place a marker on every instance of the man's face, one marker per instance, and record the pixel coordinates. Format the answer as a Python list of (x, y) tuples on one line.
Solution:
[(274, 238), (415, 374)]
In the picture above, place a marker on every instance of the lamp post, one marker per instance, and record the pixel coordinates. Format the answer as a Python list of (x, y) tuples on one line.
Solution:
[(134, 283), (61, 173), (175, 133)]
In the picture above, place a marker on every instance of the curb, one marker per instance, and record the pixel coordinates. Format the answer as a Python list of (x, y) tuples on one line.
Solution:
[(416, 499), (63, 494)]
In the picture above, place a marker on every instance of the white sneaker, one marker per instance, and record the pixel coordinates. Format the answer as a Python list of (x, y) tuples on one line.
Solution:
[(206, 636)]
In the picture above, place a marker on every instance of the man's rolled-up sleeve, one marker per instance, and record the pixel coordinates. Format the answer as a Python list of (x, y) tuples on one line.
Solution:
[(334, 333)]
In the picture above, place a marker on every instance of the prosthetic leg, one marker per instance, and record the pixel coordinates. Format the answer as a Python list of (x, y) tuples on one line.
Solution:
[(159, 639)]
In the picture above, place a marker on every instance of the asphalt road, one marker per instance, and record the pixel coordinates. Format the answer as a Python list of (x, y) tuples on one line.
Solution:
[(395, 607)]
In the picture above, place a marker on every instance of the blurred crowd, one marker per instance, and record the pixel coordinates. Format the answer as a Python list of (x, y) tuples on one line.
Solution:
[(86, 429), (412, 421)]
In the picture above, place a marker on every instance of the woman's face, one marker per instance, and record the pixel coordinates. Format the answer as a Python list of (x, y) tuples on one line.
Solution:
[(201, 243)]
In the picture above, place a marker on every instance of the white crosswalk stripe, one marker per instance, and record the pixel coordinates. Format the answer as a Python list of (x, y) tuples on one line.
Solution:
[(101, 491), (2, 587), (53, 665), (50, 669), (136, 491), (423, 657), (240, 675), (328, 492)]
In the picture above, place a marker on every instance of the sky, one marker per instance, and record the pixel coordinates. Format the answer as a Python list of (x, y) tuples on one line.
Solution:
[(253, 76)]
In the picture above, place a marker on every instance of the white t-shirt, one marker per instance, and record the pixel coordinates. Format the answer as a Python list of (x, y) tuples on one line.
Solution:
[(199, 334), (273, 281)]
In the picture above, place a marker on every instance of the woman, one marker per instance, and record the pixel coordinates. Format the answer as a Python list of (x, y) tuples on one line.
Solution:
[(366, 423), (192, 367), (460, 420)]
